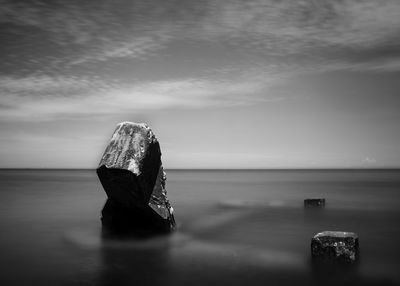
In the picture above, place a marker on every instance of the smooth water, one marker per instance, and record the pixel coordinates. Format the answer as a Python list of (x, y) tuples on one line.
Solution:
[(234, 227)]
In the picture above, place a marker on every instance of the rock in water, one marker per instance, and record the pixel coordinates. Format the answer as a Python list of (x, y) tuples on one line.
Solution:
[(133, 178), (314, 202), (335, 246)]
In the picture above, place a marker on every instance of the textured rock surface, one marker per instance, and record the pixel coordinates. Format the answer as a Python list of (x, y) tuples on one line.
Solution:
[(132, 175), (314, 202), (335, 246)]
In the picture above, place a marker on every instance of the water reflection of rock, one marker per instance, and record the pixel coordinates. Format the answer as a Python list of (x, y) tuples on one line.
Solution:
[(127, 260)]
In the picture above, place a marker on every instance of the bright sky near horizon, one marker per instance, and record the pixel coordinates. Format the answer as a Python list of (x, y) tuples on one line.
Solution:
[(223, 84)]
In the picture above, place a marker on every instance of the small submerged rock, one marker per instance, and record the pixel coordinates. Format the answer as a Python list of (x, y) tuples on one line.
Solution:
[(335, 246), (314, 202), (133, 178)]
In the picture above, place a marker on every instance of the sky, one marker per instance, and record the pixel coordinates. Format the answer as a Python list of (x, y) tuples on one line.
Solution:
[(223, 84)]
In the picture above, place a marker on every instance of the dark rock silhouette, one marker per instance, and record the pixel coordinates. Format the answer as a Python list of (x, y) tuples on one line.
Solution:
[(314, 202), (133, 178)]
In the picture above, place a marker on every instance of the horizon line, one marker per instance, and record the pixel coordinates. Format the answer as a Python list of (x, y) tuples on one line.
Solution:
[(230, 169)]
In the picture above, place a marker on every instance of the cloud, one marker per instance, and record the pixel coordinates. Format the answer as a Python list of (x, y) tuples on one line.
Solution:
[(369, 161), (315, 22), (318, 32), (53, 70), (64, 34), (136, 48), (39, 98), (309, 35)]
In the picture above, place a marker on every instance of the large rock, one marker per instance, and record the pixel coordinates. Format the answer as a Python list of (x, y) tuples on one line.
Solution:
[(133, 178), (335, 246)]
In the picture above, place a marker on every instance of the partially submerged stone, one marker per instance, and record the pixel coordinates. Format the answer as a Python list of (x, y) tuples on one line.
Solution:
[(314, 202), (133, 178), (335, 246)]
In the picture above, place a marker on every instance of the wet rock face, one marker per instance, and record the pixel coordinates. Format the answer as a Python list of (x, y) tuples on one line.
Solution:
[(133, 178), (314, 202), (335, 246)]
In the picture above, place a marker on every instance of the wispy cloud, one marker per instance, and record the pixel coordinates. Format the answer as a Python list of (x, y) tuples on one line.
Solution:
[(81, 32), (39, 98), (57, 73), (312, 22), (136, 48), (101, 31), (43, 86)]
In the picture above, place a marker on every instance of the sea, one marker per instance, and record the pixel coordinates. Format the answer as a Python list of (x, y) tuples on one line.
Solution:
[(234, 227)]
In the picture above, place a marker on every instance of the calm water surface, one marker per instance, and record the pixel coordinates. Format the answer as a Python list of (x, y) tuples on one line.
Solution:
[(234, 227)]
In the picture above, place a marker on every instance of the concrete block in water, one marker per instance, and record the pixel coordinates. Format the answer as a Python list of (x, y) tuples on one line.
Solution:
[(133, 178), (335, 246), (314, 202)]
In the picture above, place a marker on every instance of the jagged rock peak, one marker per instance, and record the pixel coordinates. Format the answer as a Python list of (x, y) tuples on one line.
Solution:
[(128, 146)]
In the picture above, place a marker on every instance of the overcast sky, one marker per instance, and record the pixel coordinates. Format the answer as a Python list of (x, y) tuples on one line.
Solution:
[(223, 84)]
